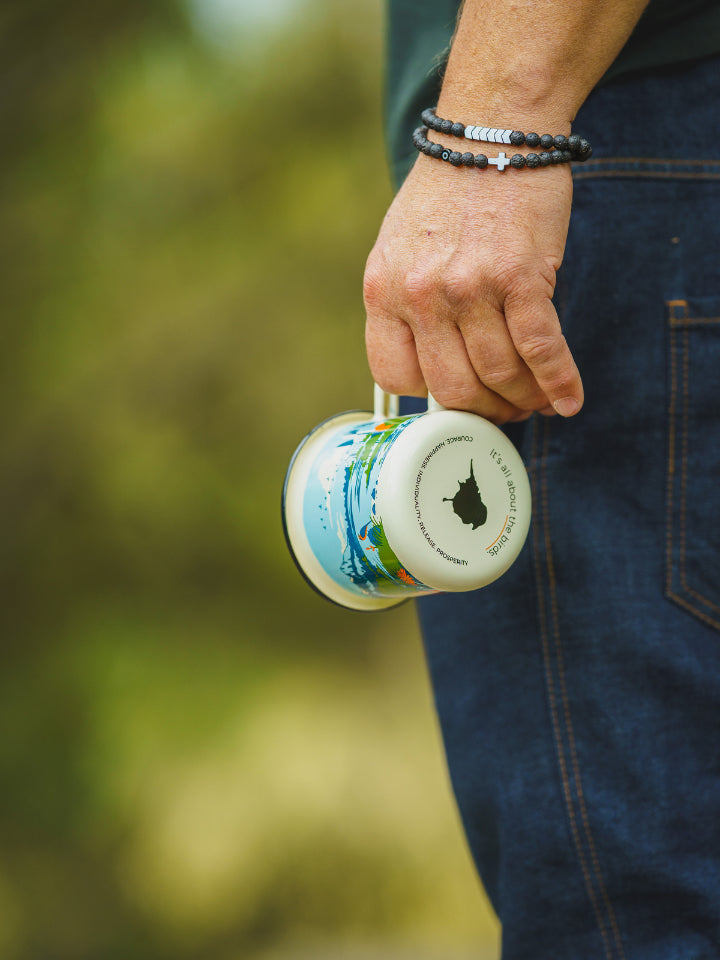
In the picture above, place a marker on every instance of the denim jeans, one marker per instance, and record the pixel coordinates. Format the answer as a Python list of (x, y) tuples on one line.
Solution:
[(579, 695)]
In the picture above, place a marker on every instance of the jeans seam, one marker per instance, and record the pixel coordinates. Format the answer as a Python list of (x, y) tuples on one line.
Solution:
[(541, 520), (667, 161), (691, 321), (670, 492), (681, 322), (684, 462), (646, 174)]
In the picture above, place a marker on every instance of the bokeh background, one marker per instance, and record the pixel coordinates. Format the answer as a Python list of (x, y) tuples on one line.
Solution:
[(199, 758)]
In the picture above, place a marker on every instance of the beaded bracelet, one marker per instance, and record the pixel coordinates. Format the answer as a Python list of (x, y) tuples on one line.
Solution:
[(532, 160), (578, 146)]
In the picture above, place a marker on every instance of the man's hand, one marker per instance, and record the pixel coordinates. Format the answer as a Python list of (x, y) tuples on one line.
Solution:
[(458, 291), (458, 286)]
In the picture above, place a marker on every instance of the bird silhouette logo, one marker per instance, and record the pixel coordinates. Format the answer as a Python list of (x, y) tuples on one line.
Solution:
[(467, 502)]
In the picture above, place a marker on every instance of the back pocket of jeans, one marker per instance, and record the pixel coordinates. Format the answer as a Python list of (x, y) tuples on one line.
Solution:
[(692, 576)]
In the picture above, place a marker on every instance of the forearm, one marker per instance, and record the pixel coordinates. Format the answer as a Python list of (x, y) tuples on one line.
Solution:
[(516, 62)]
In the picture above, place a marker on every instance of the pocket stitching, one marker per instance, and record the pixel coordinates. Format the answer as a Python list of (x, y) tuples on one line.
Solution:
[(683, 322)]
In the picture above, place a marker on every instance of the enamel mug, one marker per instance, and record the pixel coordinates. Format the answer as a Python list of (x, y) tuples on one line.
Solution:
[(378, 508)]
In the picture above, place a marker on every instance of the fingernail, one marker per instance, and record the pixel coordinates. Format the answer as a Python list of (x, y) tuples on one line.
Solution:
[(567, 406)]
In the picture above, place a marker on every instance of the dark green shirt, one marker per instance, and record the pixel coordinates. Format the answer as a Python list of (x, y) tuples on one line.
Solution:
[(669, 32)]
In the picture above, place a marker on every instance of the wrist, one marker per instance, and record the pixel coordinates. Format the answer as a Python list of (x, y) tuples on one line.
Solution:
[(529, 101), (447, 182), (533, 64)]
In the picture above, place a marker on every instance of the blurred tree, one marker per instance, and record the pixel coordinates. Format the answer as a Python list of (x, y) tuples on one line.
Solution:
[(199, 758)]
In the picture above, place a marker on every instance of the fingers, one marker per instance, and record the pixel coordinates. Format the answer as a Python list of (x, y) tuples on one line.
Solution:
[(534, 327), (392, 356), (496, 361), (450, 376), (415, 344), (431, 357), (480, 337), (502, 367)]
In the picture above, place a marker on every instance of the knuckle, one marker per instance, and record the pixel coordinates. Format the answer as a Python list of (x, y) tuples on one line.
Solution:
[(500, 376), (374, 283), (457, 396), (537, 349), (515, 275), (529, 281), (452, 395), (418, 287), (549, 266), (460, 288)]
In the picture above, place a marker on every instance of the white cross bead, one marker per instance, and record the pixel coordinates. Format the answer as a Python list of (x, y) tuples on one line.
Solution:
[(500, 161)]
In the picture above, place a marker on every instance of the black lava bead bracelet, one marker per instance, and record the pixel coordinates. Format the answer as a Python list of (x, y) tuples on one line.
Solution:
[(457, 159), (578, 146)]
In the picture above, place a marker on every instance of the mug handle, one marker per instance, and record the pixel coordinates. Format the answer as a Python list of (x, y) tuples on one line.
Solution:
[(387, 405)]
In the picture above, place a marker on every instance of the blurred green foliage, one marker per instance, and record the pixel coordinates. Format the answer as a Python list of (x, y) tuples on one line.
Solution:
[(199, 757)]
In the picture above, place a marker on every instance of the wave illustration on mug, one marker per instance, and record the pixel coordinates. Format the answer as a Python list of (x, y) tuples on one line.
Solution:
[(348, 478)]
